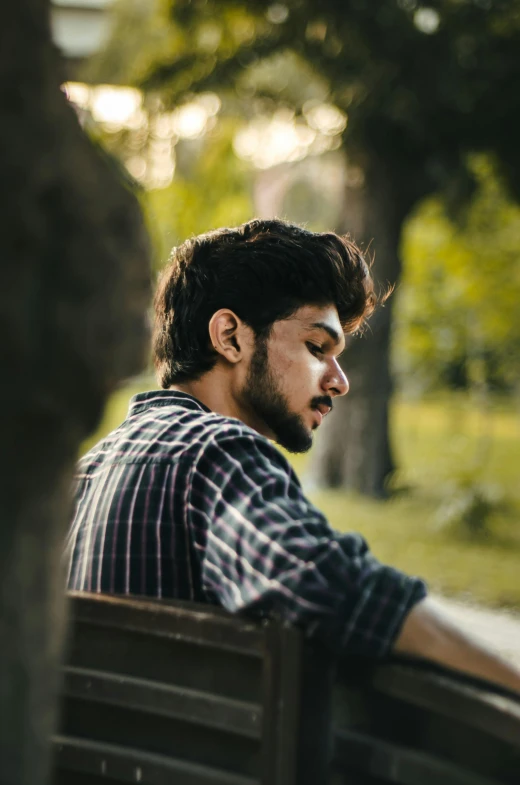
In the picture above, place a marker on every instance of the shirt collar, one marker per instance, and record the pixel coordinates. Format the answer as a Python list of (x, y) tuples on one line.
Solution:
[(147, 400)]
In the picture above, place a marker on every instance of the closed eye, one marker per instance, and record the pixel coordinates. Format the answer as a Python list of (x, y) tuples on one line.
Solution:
[(314, 349)]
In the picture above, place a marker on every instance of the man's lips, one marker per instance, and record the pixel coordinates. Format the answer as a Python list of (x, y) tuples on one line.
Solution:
[(323, 409), (320, 411)]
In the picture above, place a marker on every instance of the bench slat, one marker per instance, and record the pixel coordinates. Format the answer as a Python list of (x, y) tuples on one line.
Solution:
[(179, 621), (119, 764), (397, 765), (491, 712), (201, 708)]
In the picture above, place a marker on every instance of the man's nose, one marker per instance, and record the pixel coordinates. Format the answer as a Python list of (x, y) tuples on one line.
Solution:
[(337, 382)]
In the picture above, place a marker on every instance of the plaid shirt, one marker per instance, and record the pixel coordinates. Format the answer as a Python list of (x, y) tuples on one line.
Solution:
[(179, 502)]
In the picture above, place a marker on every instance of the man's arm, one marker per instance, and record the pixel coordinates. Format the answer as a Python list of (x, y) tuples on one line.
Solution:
[(428, 633), (264, 549)]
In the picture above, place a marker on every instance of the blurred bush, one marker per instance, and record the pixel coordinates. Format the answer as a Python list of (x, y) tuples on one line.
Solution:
[(468, 506), (457, 319)]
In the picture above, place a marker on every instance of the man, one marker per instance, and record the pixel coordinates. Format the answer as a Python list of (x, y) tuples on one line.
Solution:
[(189, 499)]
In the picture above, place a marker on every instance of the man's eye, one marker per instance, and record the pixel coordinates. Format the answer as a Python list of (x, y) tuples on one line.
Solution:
[(314, 349)]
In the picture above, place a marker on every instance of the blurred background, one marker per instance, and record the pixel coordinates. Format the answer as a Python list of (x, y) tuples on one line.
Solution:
[(393, 120)]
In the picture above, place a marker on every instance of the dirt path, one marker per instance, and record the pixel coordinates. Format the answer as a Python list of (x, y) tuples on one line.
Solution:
[(499, 629)]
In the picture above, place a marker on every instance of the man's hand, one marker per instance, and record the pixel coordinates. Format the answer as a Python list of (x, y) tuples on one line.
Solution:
[(429, 634)]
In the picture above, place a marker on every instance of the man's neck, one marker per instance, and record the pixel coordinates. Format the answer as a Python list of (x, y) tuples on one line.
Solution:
[(216, 392)]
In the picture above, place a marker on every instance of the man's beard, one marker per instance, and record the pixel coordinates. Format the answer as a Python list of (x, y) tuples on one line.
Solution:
[(263, 395)]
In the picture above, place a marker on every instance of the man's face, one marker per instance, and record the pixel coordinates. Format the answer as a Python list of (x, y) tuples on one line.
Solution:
[(294, 376)]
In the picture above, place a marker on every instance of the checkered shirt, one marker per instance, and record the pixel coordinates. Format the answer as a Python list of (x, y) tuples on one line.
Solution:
[(180, 502)]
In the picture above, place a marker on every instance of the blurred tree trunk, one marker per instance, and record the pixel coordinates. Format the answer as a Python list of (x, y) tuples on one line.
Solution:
[(353, 449), (73, 293)]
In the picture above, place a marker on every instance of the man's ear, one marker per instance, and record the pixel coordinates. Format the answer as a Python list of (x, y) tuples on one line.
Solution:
[(229, 336)]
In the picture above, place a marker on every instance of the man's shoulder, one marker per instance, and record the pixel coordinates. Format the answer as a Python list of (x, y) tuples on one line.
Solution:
[(195, 428), (216, 430), (232, 441), (160, 427), (180, 418)]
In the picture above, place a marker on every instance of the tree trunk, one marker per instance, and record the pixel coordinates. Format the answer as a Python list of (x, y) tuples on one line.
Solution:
[(353, 449), (73, 296)]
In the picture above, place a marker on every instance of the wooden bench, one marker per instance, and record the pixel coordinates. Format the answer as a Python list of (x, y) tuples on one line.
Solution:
[(180, 694)]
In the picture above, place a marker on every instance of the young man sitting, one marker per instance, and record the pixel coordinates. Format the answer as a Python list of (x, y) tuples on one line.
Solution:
[(189, 499)]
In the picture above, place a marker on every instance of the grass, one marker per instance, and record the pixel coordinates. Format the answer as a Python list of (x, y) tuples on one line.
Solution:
[(436, 441)]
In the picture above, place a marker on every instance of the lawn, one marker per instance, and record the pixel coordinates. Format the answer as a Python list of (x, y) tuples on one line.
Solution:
[(438, 442)]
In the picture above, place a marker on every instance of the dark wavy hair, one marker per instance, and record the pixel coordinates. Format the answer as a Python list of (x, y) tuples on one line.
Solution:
[(263, 271)]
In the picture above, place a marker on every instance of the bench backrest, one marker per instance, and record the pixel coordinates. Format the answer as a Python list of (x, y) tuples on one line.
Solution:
[(180, 694), (160, 693)]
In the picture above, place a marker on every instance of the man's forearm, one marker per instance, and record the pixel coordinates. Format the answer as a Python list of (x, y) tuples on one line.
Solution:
[(429, 634)]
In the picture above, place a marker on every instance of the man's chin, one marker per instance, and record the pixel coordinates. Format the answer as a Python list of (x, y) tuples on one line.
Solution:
[(296, 442)]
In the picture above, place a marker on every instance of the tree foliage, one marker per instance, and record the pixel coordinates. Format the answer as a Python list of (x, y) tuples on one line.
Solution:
[(210, 192), (420, 85), (458, 317)]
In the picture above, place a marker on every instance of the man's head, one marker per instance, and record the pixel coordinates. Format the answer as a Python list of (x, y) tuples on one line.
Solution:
[(265, 307)]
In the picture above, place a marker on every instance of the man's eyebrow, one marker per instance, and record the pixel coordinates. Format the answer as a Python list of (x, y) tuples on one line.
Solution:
[(336, 337)]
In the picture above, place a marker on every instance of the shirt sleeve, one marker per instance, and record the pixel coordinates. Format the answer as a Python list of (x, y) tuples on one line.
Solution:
[(265, 548)]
